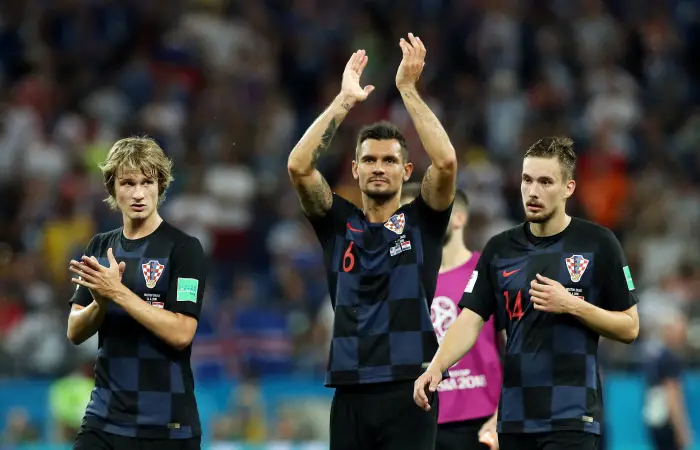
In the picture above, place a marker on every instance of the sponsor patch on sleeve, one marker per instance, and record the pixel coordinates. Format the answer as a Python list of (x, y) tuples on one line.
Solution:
[(628, 278), (187, 289)]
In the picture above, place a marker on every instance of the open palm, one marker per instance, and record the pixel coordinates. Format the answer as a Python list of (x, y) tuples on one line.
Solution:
[(351, 77)]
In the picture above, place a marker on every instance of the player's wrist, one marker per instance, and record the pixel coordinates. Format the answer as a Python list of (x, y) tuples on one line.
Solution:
[(407, 90), (343, 103)]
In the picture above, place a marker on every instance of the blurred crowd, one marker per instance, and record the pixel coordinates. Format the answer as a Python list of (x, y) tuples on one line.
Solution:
[(227, 87)]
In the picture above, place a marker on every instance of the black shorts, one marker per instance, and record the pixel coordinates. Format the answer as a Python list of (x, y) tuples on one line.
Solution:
[(381, 417), (556, 440), (92, 439), (462, 435)]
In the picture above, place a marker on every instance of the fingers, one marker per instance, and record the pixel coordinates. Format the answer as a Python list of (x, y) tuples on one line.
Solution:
[(357, 61), (91, 262), (419, 395), (110, 257), (537, 287), (122, 267), (368, 89), (412, 46), (434, 381), (545, 280), (81, 268), (82, 282)]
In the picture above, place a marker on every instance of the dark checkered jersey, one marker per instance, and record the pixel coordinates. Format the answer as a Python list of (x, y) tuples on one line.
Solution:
[(550, 374), (381, 278), (143, 387)]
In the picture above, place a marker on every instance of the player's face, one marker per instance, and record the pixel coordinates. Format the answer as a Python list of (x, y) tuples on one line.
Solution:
[(543, 188), (136, 195), (380, 169)]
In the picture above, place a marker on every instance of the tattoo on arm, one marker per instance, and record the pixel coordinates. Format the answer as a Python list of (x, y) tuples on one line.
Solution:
[(317, 198), (427, 187), (325, 141)]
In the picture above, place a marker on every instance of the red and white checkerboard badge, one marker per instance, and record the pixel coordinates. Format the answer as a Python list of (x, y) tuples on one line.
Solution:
[(396, 223), (576, 265), (152, 271)]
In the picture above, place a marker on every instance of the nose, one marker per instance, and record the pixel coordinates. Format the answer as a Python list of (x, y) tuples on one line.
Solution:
[(138, 193)]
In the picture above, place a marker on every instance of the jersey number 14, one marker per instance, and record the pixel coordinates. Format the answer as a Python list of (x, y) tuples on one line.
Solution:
[(514, 306)]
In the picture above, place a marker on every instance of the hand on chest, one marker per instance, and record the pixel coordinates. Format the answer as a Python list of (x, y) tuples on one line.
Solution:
[(572, 273)]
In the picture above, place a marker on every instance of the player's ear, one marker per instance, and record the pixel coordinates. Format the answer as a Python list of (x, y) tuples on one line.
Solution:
[(407, 171), (570, 188), (355, 173)]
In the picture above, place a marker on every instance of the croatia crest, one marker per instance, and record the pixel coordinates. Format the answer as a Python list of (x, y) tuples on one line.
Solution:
[(396, 223), (576, 266), (152, 271)]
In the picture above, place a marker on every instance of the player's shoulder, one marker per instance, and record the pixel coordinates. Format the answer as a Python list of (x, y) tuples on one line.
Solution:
[(505, 238), (180, 238), (585, 229), (101, 241)]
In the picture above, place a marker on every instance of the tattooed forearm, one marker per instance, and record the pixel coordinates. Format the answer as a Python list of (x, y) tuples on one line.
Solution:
[(325, 141), (316, 198)]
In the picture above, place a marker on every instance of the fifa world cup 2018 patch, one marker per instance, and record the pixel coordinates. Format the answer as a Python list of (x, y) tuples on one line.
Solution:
[(628, 278), (187, 289)]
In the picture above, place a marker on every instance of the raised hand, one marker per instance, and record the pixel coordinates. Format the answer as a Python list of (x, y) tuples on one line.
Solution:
[(102, 281), (351, 89), (412, 62)]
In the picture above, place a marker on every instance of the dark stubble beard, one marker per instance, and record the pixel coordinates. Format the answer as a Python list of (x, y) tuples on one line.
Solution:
[(380, 197), (540, 217)]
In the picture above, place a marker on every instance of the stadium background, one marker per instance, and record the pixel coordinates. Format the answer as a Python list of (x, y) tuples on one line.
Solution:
[(228, 87)]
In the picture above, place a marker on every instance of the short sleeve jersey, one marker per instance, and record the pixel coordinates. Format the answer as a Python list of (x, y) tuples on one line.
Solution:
[(550, 374), (381, 278), (143, 387)]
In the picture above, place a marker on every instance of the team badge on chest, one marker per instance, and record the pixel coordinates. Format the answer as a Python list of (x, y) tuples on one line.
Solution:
[(576, 265), (152, 270), (396, 223)]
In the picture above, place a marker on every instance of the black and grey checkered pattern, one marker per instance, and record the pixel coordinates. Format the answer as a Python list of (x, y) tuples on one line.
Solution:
[(381, 281), (551, 379), (143, 387)]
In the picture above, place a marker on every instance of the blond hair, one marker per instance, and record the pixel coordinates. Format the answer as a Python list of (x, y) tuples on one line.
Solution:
[(136, 154)]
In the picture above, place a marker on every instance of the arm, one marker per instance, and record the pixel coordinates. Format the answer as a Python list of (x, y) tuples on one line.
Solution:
[(84, 321), (459, 339), (438, 186), (312, 188), (176, 330), (617, 318), (622, 326), (87, 310), (314, 193)]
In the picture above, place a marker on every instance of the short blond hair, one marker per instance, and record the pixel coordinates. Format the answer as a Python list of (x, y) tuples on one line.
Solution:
[(136, 154)]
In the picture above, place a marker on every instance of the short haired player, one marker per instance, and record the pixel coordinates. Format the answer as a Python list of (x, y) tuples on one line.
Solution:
[(140, 288), (469, 398), (557, 283), (382, 262)]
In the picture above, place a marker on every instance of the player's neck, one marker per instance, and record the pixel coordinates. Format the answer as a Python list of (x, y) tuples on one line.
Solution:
[(379, 212), (454, 254), (137, 229), (553, 226)]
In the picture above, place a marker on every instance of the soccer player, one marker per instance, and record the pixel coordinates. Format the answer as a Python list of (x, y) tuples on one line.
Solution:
[(382, 262), (557, 284), (469, 398), (140, 288)]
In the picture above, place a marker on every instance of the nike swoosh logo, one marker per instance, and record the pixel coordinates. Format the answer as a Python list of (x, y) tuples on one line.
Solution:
[(353, 229), (507, 274)]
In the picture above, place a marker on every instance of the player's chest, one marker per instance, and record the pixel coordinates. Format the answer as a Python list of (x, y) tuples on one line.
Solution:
[(373, 247), (513, 277), (149, 278)]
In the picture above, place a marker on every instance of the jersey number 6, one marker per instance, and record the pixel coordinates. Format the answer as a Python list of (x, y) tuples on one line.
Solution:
[(348, 258)]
